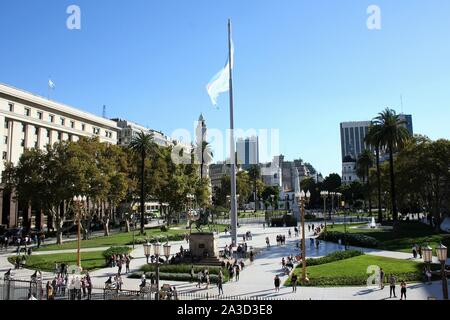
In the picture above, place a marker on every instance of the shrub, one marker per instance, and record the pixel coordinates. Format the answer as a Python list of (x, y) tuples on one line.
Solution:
[(354, 239), (332, 257), (116, 250), (182, 277)]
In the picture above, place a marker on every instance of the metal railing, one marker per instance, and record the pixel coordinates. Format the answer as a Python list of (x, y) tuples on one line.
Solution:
[(11, 289)]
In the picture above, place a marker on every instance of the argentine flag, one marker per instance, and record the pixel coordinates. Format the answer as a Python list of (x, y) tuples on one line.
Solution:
[(220, 83), (51, 84)]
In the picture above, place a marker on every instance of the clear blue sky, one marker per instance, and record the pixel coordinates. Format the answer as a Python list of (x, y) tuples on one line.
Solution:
[(300, 66)]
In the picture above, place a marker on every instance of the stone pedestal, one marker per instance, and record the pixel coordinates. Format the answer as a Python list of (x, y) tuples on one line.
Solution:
[(203, 244)]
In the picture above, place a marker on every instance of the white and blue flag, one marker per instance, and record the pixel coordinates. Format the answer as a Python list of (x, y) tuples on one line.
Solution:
[(51, 84), (220, 83)]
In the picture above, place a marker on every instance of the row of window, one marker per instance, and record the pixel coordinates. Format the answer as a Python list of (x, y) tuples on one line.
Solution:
[(62, 121)]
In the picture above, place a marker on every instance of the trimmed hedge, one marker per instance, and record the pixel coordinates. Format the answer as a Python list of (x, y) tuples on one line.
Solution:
[(182, 277), (332, 257), (115, 251), (180, 268), (353, 239), (176, 237), (181, 272)]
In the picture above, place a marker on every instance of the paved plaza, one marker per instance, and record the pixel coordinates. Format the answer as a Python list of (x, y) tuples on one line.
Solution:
[(256, 280)]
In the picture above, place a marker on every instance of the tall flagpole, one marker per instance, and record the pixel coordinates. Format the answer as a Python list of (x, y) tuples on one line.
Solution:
[(232, 145)]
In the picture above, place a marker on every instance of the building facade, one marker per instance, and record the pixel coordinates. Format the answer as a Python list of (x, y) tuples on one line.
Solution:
[(129, 129), (28, 121)]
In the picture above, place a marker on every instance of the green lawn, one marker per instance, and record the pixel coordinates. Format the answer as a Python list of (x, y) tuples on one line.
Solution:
[(353, 271), (409, 233), (90, 261), (123, 239)]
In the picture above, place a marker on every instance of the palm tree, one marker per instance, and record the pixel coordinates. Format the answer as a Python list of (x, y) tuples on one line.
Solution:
[(254, 173), (363, 165), (373, 139), (392, 134), (142, 144)]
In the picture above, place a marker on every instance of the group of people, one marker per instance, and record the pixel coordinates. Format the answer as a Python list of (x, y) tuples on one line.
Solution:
[(288, 264), (21, 243), (241, 251), (281, 240), (392, 280), (203, 277), (317, 230), (115, 283), (417, 251), (78, 287), (119, 260)]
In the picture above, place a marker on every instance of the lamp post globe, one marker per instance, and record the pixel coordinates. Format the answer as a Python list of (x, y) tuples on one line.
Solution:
[(427, 254), (167, 248), (441, 253), (157, 248), (147, 250)]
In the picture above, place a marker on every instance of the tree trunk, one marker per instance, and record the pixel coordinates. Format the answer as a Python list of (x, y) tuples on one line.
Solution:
[(369, 193), (59, 233), (127, 226), (106, 225), (393, 192), (142, 193), (380, 211)]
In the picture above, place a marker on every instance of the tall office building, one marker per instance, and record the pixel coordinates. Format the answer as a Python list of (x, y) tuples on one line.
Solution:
[(247, 152)]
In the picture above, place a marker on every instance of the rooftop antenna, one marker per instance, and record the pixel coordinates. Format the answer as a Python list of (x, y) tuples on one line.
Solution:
[(401, 102), (104, 111)]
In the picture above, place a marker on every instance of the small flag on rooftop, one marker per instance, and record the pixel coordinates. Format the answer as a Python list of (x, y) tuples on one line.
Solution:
[(51, 84)]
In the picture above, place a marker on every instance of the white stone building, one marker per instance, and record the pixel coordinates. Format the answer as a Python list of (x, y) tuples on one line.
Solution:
[(30, 121)]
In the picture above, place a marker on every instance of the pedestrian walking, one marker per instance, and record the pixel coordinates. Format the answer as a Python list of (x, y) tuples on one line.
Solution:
[(220, 283), (414, 251), (381, 279), (294, 280), (238, 270), (403, 290), (127, 264), (276, 282), (192, 274), (392, 283), (199, 279)]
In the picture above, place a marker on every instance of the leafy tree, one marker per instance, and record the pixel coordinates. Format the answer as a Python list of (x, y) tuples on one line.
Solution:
[(254, 173), (332, 182)]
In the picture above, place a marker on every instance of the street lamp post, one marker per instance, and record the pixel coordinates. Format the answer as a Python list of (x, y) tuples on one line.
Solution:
[(303, 198), (442, 257), (157, 252), (339, 195), (79, 202), (272, 197), (324, 195)]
